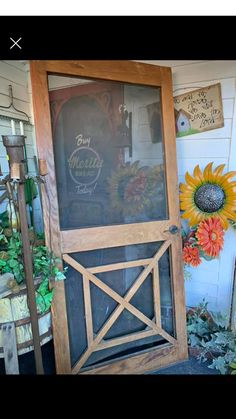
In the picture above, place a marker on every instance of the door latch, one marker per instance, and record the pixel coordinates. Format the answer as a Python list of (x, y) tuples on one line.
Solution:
[(173, 229)]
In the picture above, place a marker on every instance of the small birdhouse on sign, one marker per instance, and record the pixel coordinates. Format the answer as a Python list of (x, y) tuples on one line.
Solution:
[(182, 119)]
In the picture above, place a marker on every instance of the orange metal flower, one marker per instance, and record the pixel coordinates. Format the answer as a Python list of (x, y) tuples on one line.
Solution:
[(191, 256), (210, 236)]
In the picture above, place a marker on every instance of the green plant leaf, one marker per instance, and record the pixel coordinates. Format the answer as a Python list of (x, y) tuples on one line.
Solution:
[(219, 364), (194, 340), (59, 276), (2, 263), (12, 263)]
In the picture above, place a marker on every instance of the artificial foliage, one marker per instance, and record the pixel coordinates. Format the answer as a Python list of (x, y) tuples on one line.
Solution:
[(45, 265), (233, 367), (209, 332)]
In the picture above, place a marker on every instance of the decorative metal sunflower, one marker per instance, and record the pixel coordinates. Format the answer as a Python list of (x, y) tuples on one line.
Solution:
[(208, 194)]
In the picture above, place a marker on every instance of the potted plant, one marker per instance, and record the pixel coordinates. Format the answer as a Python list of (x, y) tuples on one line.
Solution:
[(13, 294)]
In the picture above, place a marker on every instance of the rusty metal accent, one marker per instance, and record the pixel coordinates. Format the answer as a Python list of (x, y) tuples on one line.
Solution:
[(43, 170), (28, 267), (15, 146), (15, 151)]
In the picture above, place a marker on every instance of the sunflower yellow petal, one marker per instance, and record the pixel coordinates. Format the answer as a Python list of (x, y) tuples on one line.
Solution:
[(193, 221), (198, 217), (191, 181), (186, 201), (225, 186), (189, 213), (229, 214), (186, 206), (198, 174), (231, 195), (193, 216), (223, 220), (230, 205), (207, 173), (186, 196), (227, 176), (185, 188), (218, 170), (230, 185)]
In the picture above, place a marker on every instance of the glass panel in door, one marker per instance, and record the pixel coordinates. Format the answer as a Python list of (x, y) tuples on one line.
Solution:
[(108, 152)]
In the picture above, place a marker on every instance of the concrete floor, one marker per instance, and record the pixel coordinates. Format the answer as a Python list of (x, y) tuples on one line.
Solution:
[(190, 367)]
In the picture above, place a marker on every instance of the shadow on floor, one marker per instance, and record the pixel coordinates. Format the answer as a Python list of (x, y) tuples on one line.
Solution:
[(190, 367), (27, 362)]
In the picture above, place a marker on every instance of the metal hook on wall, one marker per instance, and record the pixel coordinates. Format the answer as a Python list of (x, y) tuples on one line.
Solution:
[(12, 104)]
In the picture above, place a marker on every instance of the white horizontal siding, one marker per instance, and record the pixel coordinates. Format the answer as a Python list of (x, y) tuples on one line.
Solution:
[(227, 87), (18, 104), (10, 74), (14, 73), (170, 63), (190, 149), (20, 65), (19, 91), (232, 155), (204, 71)]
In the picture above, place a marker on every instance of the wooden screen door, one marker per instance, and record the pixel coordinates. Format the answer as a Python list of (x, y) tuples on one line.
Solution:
[(106, 130)]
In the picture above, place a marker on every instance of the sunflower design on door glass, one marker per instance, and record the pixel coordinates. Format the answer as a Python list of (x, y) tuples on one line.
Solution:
[(208, 194), (132, 187)]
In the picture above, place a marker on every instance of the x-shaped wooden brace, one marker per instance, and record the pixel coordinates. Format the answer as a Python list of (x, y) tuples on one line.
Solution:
[(123, 303)]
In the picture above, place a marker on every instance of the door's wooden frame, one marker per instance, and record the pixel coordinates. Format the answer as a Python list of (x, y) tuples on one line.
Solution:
[(110, 236)]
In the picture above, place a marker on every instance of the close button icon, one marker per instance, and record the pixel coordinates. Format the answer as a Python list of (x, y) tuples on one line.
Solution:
[(15, 43)]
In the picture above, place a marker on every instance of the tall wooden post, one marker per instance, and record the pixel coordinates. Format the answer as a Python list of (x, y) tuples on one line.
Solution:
[(15, 151)]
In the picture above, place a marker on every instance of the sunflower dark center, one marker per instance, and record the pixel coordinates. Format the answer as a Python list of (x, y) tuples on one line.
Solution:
[(209, 197)]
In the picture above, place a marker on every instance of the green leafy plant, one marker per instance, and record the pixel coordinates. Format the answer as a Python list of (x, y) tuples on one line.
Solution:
[(187, 274), (233, 367), (45, 265), (233, 224), (209, 332), (11, 258)]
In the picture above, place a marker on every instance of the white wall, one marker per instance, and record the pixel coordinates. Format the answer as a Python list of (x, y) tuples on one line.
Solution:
[(211, 280), (14, 73)]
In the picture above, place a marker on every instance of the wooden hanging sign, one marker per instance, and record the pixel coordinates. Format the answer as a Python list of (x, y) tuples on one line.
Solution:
[(199, 110)]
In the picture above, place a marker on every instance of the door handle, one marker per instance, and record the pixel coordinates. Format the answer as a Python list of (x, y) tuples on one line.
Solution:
[(173, 229)]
